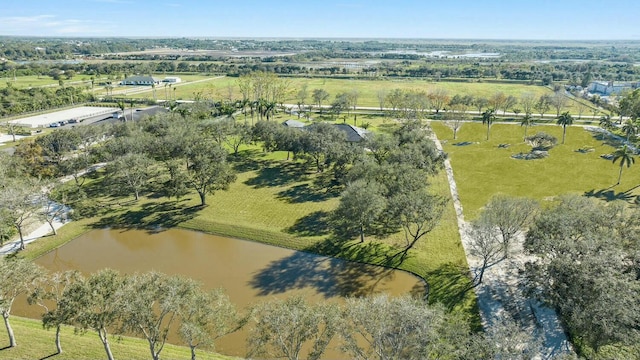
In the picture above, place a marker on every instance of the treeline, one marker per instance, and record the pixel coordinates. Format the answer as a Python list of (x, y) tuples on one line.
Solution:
[(15, 101), (152, 305), (50, 48), (546, 73)]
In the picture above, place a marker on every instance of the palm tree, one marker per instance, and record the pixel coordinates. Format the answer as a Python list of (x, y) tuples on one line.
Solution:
[(565, 119), (605, 122), (487, 119), (629, 128), (527, 121), (625, 155)]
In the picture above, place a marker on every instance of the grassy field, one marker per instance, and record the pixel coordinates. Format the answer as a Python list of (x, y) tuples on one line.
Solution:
[(284, 203), (36, 343), (482, 169), (367, 89)]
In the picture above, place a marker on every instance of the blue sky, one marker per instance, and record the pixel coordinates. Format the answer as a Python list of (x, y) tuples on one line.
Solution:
[(450, 19)]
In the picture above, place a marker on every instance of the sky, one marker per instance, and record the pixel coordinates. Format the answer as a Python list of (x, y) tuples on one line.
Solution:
[(428, 19)]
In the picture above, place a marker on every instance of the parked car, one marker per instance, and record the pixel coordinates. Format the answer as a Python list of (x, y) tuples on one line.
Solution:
[(73, 121), (54, 125)]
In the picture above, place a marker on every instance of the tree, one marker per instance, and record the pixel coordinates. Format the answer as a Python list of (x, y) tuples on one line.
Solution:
[(528, 102), (455, 117), (301, 97), (18, 278), (50, 210), (319, 95), (625, 155), (498, 101), (558, 101), (509, 103), (484, 243), (340, 104), (630, 128), (131, 171), (205, 317), (630, 104), (282, 327), (438, 99), (480, 103), (382, 98), (386, 328), (488, 117), (151, 303), (565, 119), (361, 204), (418, 212), (543, 104), (510, 216), (526, 121), (18, 202), (606, 123), (585, 269), (208, 169), (51, 289), (98, 301)]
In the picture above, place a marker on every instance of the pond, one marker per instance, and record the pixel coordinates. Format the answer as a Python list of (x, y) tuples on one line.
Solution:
[(250, 272)]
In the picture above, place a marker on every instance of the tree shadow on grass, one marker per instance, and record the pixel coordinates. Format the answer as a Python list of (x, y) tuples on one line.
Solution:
[(448, 284), (610, 195), (314, 224), (607, 138), (278, 174), (306, 193), (151, 216)]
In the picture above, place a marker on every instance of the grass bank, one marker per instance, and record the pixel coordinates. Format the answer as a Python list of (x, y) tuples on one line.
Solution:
[(34, 342)]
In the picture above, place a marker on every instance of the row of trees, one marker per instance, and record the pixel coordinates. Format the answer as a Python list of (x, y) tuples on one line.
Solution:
[(152, 305)]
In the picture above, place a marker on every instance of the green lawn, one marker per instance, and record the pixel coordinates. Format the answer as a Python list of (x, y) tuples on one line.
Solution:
[(36, 343), (482, 169), (283, 203)]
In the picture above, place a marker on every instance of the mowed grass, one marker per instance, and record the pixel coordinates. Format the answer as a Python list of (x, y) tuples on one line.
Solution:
[(286, 203), (36, 343), (367, 89), (482, 169)]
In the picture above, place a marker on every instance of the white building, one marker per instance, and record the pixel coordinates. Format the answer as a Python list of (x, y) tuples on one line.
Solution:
[(172, 80), (607, 88), (140, 80)]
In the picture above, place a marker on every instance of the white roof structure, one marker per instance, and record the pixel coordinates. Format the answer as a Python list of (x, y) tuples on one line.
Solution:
[(79, 113)]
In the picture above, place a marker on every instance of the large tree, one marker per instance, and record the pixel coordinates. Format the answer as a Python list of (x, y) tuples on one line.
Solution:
[(131, 172), (151, 304), (98, 301), (18, 203), (587, 269), (361, 205), (205, 317), (208, 169), (319, 96), (19, 277), (417, 212), (394, 328), (281, 328), (509, 216), (52, 290)]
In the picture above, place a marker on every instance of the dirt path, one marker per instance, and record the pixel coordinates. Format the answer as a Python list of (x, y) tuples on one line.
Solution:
[(501, 293)]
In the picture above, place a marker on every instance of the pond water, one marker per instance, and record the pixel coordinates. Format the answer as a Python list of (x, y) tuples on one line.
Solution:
[(250, 272)]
